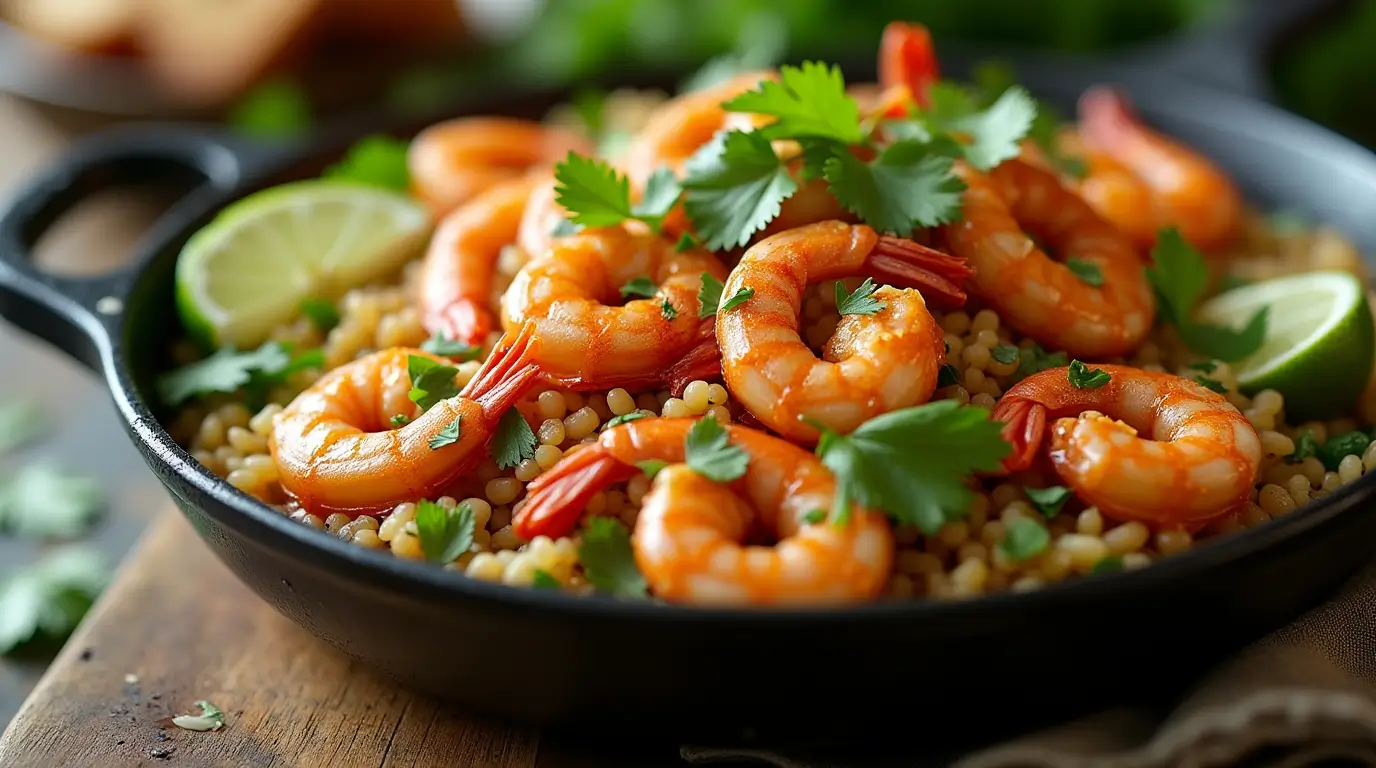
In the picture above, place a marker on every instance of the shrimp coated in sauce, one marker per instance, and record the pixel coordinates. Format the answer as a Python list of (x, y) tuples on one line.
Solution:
[(872, 364), (337, 451), (688, 537), (1145, 446), (1039, 295)]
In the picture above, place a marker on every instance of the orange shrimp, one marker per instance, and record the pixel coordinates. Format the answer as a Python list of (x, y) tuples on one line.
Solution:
[(1183, 188), (589, 340), (1145, 446), (456, 287), (1036, 294), (907, 58), (453, 161), (873, 363), (336, 450), (687, 539)]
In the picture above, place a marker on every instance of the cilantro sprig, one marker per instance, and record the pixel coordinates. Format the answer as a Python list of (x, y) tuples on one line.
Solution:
[(709, 297), (595, 195), (42, 501), (444, 533), (708, 452), (514, 441), (228, 370), (431, 382), (861, 302), (1180, 276), (42, 604), (608, 562)]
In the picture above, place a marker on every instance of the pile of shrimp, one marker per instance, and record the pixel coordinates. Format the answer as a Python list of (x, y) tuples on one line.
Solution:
[(1155, 461)]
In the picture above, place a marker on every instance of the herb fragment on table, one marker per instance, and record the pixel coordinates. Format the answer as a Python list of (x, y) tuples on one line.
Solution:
[(20, 422), (1026, 538), (43, 603), (1179, 275), (431, 382), (1087, 271), (639, 286), (43, 502), (651, 467), (514, 441), (441, 346), (596, 195), (447, 436), (228, 370), (378, 161), (1083, 377), (608, 561), (617, 421), (212, 718), (444, 533), (1049, 500), (707, 451), (1339, 447), (861, 302), (913, 463), (1005, 354), (543, 579), (1305, 446)]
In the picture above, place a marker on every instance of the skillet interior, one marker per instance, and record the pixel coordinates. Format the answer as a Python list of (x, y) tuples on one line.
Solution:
[(973, 669)]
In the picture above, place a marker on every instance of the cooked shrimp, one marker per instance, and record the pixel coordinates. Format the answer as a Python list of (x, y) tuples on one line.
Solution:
[(451, 162), (589, 340), (1036, 294), (687, 540), (907, 58), (1184, 189), (456, 287), (336, 450), (1146, 446), (872, 364)]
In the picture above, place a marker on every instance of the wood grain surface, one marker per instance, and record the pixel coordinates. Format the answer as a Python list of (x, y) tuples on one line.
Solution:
[(176, 627)]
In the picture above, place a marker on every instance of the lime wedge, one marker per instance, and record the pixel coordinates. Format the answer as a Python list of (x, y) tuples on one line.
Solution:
[(249, 270), (1320, 340)]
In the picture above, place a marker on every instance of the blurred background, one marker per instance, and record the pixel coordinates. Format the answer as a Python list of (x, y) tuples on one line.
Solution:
[(278, 68)]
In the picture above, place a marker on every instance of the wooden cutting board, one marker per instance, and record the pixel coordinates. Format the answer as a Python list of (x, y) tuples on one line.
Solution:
[(176, 626)]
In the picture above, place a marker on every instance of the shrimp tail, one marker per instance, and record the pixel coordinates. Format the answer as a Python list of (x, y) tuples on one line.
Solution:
[(462, 320), (701, 363), (506, 375), (908, 57), (556, 499), (1107, 120), (1024, 426), (908, 264)]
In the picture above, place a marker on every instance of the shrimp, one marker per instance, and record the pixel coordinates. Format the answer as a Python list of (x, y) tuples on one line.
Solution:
[(872, 364), (1036, 294), (1145, 446), (572, 297), (335, 448), (907, 58), (687, 539), (453, 161), (456, 286), (1183, 188)]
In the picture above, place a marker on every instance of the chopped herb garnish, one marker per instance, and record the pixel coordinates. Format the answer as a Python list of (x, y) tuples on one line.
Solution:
[(639, 286), (1088, 272), (229, 371), (947, 375), (809, 101), (608, 562), (455, 350), (909, 184), (737, 299), (447, 436), (212, 718), (1109, 564), (431, 382), (444, 533), (861, 302), (1305, 446), (378, 161), (709, 297), (1026, 538), (1180, 276), (399, 420), (708, 451), (321, 313), (43, 502), (662, 191), (734, 185), (595, 195), (814, 517), (1083, 377), (622, 419), (1036, 360), (1006, 354), (913, 463), (20, 422), (43, 603), (514, 441), (1213, 384), (1205, 366), (667, 310), (992, 134), (543, 579), (276, 109), (651, 467), (1049, 500), (1230, 281), (1340, 447), (685, 243)]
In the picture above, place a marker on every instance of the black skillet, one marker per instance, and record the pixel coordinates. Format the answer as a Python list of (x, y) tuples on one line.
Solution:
[(928, 673)]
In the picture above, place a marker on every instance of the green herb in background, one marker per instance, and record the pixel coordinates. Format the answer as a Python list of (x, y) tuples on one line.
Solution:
[(228, 370), (608, 561), (276, 109), (42, 501), (1327, 75), (20, 422), (378, 161), (42, 604)]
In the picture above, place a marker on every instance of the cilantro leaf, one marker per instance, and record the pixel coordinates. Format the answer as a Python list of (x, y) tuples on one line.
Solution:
[(1207, 366), (709, 296), (737, 299), (1006, 354), (1048, 501), (814, 517), (1083, 377), (1179, 276), (1088, 272), (321, 313), (430, 381), (399, 420), (593, 193), (1109, 564), (809, 101), (20, 422), (378, 161), (543, 579), (662, 191), (212, 718), (45, 602), (994, 133), (1026, 538), (910, 183), (1037, 360), (913, 463), (651, 467), (617, 421), (861, 302), (41, 501), (735, 185), (608, 562), (276, 109), (639, 286), (224, 371), (447, 436), (947, 376), (1213, 384), (708, 452), (685, 243), (444, 533), (444, 347), (1339, 447), (667, 310), (1305, 446), (514, 441)]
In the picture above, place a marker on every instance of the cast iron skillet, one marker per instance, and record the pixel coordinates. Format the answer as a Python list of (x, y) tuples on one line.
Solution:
[(925, 672)]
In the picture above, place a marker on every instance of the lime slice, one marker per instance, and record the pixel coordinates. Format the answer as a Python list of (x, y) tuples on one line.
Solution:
[(1320, 340), (249, 270)]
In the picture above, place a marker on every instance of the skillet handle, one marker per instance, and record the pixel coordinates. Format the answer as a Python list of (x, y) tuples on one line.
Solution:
[(79, 314)]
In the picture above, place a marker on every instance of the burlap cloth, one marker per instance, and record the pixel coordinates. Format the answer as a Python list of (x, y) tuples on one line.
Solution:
[(1303, 696)]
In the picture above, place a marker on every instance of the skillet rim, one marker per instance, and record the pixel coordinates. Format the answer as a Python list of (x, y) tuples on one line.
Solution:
[(363, 568)]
